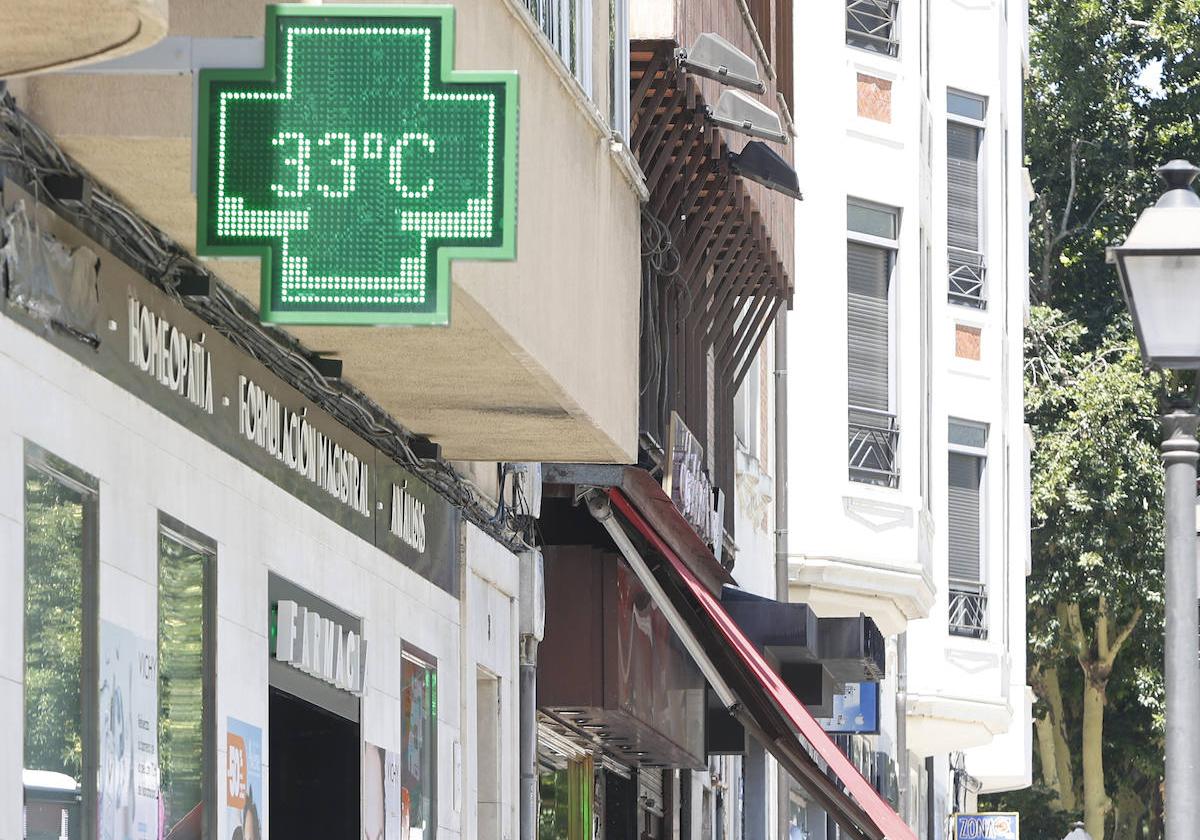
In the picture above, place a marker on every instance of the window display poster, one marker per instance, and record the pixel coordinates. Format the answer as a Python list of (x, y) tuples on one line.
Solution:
[(855, 710), (418, 738), (243, 780), (381, 793), (128, 783)]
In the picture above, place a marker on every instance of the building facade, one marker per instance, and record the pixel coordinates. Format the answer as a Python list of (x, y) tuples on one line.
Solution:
[(267, 578), (913, 340), (578, 564)]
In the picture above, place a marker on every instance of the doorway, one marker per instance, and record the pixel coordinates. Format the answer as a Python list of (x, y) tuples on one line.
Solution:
[(314, 771)]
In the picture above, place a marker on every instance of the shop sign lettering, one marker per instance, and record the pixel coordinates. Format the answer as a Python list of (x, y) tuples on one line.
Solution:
[(165, 353), (288, 437), (408, 518), (689, 486), (320, 647), (987, 826)]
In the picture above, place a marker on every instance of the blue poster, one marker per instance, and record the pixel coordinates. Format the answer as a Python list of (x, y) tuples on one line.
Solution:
[(855, 710), (243, 780), (987, 826)]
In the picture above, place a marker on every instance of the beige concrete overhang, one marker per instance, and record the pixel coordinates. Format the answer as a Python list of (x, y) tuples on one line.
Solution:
[(892, 594), (540, 361), (940, 723), (41, 35)]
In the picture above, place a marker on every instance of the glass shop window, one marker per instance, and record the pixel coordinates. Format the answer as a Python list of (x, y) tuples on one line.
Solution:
[(418, 754), (565, 790), (60, 648), (186, 570)]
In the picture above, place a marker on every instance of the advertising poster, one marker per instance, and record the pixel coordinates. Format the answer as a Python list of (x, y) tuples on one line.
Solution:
[(855, 710), (128, 783), (381, 793), (243, 780), (987, 827)]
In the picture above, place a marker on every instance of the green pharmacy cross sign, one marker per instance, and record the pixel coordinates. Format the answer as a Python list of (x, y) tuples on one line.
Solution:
[(357, 163)]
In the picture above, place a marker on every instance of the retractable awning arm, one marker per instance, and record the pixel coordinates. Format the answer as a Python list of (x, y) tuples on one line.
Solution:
[(837, 786)]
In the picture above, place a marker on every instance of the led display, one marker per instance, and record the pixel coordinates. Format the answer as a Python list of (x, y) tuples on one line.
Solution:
[(357, 163)]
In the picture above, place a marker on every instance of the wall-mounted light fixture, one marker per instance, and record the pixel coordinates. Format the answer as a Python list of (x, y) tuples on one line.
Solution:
[(712, 57), (762, 164), (738, 112)]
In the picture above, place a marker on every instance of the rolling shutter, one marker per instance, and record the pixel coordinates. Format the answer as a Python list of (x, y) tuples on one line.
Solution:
[(962, 185), (963, 504), (867, 326)]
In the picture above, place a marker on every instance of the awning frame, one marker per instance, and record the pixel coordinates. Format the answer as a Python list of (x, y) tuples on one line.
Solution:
[(796, 740)]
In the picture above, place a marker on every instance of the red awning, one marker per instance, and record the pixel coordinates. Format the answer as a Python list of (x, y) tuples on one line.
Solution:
[(808, 741)]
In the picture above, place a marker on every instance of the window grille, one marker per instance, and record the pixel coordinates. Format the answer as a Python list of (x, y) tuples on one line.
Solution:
[(871, 25), (967, 592), (968, 610), (964, 144), (873, 433), (874, 437)]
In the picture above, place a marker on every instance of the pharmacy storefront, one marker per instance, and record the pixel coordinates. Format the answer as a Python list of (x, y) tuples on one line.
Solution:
[(224, 611)]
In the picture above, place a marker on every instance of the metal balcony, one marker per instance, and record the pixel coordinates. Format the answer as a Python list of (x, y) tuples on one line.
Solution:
[(874, 439), (967, 274), (968, 609)]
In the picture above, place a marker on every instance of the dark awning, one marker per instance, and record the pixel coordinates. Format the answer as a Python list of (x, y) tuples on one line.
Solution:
[(754, 694)]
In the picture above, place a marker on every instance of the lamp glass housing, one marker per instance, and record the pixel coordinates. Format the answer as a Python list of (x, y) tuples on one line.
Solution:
[(1159, 268)]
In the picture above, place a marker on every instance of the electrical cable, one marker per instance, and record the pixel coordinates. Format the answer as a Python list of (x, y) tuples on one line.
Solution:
[(26, 147)]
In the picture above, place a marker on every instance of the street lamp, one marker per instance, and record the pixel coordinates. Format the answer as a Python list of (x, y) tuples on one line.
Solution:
[(1078, 833), (1159, 268)]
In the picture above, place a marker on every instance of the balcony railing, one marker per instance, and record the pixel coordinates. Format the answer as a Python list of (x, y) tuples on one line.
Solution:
[(968, 609), (874, 437), (567, 23), (967, 273), (871, 25)]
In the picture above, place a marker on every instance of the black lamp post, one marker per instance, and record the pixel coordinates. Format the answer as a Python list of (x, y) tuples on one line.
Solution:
[(1159, 268)]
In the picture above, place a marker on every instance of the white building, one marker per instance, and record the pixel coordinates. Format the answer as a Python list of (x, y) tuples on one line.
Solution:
[(908, 344), (152, 525)]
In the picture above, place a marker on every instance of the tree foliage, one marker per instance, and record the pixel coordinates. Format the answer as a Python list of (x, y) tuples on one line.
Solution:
[(53, 626), (1113, 91)]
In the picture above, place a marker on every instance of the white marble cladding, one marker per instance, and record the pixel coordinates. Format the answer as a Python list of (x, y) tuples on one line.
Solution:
[(146, 463)]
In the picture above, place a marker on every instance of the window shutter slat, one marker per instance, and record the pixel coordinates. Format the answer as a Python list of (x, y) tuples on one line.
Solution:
[(962, 185), (964, 514), (867, 326)]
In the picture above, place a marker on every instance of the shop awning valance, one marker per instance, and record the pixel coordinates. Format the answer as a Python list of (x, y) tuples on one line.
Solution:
[(755, 695)]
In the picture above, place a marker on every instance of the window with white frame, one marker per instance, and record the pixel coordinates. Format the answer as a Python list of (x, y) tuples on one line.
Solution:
[(871, 25), (872, 231), (965, 527), (965, 114)]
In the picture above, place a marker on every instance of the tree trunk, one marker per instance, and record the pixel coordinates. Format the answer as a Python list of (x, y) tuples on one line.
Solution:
[(1130, 808), (1043, 731), (1062, 749), (1097, 664), (1095, 799)]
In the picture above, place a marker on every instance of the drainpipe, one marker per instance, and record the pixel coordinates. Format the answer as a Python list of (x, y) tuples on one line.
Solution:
[(782, 799), (528, 738), (902, 765), (781, 449), (533, 625)]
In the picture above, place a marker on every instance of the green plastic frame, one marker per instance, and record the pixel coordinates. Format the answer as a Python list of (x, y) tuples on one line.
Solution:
[(440, 314)]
